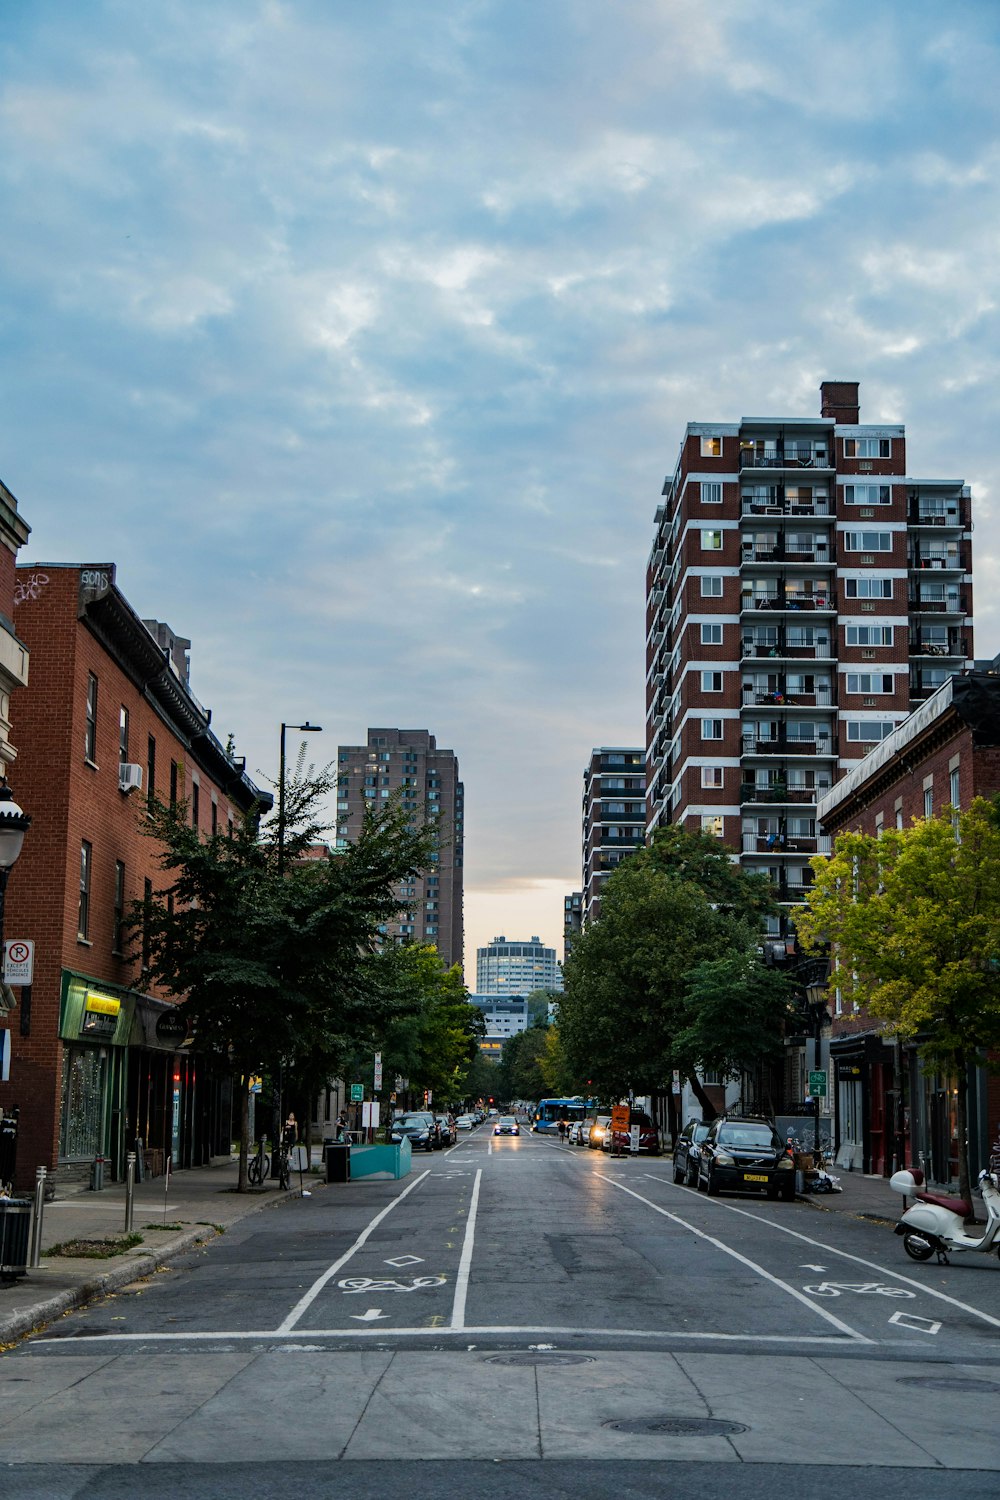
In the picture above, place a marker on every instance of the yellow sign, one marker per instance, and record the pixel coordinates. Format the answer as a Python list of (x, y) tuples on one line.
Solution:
[(104, 1005)]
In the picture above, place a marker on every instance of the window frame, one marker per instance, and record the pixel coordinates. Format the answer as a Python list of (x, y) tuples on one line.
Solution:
[(86, 882), (90, 725)]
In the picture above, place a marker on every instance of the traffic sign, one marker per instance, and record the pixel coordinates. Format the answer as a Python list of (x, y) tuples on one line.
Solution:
[(18, 961), (357, 1092), (378, 1070), (620, 1117), (817, 1083)]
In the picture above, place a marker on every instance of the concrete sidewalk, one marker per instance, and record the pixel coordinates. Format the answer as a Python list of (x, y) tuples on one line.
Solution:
[(862, 1197), (202, 1201)]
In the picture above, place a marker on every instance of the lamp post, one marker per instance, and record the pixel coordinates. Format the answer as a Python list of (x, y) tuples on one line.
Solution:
[(14, 824), (306, 728), (818, 1014)]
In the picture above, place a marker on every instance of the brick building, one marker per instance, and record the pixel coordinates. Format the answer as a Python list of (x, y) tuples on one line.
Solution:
[(98, 1058), (614, 817), (887, 1104), (407, 763), (14, 532)]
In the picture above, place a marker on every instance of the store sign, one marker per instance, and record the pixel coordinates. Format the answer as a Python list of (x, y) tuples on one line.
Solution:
[(100, 1015), (171, 1026)]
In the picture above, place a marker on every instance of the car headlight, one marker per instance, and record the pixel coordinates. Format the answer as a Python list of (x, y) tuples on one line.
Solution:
[(723, 1159), (599, 1131), (786, 1164)]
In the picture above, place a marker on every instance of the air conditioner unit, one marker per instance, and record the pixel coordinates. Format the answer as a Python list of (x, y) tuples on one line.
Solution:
[(129, 777)]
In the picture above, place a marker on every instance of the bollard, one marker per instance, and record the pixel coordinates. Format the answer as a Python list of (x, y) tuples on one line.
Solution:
[(129, 1191), (97, 1174), (35, 1258)]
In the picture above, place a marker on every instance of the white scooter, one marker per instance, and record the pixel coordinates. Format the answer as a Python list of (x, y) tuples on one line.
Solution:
[(934, 1224)]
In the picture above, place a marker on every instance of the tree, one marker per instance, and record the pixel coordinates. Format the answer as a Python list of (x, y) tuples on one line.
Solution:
[(538, 1006), (521, 1070), (630, 1013), (276, 968), (913, 919), (437, 1040)]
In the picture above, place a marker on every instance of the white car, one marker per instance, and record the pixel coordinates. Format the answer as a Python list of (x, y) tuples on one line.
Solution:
[(465, 1122)]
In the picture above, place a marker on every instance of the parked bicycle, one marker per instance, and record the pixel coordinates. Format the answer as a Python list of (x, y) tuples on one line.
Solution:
[(259, 1165)]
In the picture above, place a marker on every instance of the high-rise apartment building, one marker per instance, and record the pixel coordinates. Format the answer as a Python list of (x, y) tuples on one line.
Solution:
[(407, 762), (572, 920), (516, 967), (803, 595), (614, 817)]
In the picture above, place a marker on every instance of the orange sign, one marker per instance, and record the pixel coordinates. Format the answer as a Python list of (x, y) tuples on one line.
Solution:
[(620, 1115)]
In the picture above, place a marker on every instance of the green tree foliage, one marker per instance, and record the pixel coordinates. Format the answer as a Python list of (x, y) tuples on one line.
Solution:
[(538, 1006), (521, 1070), (913, 918), (644, 990), (436, 1042), (277, 968)]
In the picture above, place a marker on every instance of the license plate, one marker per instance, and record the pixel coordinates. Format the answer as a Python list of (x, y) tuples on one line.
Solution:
[(754, 1177)]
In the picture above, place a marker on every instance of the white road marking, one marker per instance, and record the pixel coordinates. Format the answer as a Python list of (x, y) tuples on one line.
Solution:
[(465, 1264), (783, 1286), (310, 1296), (399, 1261), (371, 1316), (858, 1260), (919, 1325)]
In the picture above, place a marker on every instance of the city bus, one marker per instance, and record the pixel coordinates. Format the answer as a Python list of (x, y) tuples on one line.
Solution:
[(548, 1113)]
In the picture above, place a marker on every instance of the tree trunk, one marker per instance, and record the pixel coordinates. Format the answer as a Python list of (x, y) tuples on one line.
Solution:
[(244, 1083), (708, 1109), (962, 1120)]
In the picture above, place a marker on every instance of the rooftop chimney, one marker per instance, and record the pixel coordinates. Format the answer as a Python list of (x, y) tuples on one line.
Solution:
[(840, 401)]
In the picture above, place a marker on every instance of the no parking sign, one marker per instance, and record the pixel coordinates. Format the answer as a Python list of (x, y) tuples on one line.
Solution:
[(18, 961)]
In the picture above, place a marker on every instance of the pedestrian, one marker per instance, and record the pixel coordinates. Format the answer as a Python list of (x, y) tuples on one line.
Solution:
[(562, 1130), (290, 1134), (342, 1126)]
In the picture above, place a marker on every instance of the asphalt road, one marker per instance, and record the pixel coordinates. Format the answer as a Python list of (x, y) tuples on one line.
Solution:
[(525, 1318)]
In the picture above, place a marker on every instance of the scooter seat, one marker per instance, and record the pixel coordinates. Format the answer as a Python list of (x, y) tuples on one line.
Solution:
[(953, 1205)]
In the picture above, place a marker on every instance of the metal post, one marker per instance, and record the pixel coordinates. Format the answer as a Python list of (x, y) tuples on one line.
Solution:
[(35, 1258), (129, 1191), (817, 1064)]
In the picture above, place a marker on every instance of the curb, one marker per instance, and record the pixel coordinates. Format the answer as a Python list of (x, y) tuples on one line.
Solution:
[(32, 1319)]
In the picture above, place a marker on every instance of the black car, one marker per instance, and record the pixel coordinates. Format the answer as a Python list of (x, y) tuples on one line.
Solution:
[(421, 1130), (686, 1152), (745, 1155), (446, 1129)]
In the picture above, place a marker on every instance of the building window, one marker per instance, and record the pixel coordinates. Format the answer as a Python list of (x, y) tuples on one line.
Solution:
[(868, 541), (83, 916), (173, 783), (868, 447), (118, 928), (869, 635), (711, 586), (123, 735), (711, 541), (867, 494), (90, 731), (150, 771), (711, 493), (711, 635), (195, 803), (869, 682), (712, 776), (215, 816), (713, 825), (928, 802), (868, 588), (711, 447), (711, 682), (711, 729), (953, 791), (868, 730)]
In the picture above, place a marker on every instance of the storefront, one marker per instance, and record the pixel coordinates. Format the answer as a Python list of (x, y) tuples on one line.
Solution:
[(95, 1025)]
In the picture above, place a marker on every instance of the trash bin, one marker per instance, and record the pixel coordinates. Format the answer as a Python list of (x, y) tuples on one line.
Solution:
[(338, 1160), (15, 1231)]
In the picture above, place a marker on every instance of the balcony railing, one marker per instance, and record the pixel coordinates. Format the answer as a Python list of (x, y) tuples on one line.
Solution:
[(791, 698), (780, 507), (956, 605), (944, 562), (779, 843), (778, 791), (771, 650), (821, 553), (752, 745), (955, 646), (935, 518), (787, 456), (787, 602)]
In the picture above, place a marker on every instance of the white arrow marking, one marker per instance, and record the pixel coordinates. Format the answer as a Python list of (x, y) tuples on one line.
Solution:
[(371, 1316), (807, 1267)]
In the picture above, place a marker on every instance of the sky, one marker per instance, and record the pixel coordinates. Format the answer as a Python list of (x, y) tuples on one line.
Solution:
[(361, 334)]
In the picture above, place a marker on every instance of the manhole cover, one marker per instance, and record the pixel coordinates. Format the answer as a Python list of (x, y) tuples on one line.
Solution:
[(678, 1426), (532, 1357), (949, 1383)]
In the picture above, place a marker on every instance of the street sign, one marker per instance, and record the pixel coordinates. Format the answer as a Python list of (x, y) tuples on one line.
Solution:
[(675, 1084), (357, 1092), (620, 1117), (378, 1070), (18, 961), (817, 1083)]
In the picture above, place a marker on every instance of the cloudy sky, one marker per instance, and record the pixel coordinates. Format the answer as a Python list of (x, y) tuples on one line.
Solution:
[(360, 334)]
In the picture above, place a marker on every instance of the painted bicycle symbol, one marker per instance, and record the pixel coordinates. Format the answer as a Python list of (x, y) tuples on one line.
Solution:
[(354, 1284), (864, 1288)]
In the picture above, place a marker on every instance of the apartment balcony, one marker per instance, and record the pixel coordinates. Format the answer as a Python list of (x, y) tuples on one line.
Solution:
[(779, 793), (789, 746), (823, 553), (950, 562), (787, 456), (950, 518), (790, 650), (958, 604), (780, 843), (779, 698), (956, 646), (786, 602), (779, 508)]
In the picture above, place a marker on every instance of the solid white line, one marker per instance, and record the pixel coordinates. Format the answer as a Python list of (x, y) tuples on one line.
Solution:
[(846, 1255), (465, 1264), (825, 1339), (318, 1285), (753, 1266)]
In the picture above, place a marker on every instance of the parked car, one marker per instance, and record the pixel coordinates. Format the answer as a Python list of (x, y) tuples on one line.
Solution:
[(621, 1140), (597, 1130), (506, 1125), (466, 1122), (745, 1155), (419, 1128), (578, 1132), (687, 1151), (446, 1129)]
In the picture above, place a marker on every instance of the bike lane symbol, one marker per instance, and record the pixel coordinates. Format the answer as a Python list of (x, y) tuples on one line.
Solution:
[(862, 1288)]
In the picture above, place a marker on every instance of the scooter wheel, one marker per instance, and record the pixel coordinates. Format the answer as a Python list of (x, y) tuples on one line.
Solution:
[(917, 1247)]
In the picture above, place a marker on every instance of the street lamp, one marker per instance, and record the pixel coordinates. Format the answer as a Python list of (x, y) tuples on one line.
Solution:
[(818, 1014), (306, 728), (14, 824)]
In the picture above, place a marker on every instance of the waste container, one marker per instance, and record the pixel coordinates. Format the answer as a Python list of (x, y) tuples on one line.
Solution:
[(15, 1231), (338, 1160)]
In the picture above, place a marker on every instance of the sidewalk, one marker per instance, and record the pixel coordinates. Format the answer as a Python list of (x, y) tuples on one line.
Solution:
[(202, 1200), (863, 1197)]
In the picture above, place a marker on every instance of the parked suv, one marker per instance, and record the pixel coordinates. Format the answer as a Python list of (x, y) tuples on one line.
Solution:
[(687, 1151), (421, 1130), (621, 1140), (745, 1155)]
